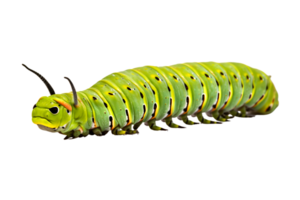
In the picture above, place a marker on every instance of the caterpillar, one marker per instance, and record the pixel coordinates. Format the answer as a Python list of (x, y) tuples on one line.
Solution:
[(122, 101)]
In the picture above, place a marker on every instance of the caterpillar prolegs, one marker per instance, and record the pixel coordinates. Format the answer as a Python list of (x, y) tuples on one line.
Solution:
[(122, 101)]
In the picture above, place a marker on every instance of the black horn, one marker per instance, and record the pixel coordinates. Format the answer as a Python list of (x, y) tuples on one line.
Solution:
[(43, 79), (74, 92)]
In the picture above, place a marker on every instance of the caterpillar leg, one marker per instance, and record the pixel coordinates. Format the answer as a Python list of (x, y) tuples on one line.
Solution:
[(170, 123), (242, 113), (97, 132), (185, 119), (218, 117), (74, 134), (137, 125), (153, 126), (118, 131), (129, 130), (205, 121)]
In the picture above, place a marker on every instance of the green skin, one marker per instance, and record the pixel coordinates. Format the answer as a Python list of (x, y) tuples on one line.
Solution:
[(122, 101)]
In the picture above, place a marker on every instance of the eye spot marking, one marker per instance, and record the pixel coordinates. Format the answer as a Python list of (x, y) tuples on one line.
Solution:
[(111, 94), (234, 76), (260, 78), (124, 101), (247, 77), (222, 74), (145, 86), (105, 104), (206, 75), (54, 110), (192, 77), (95, 98), (34, 106), (128, 88), (68, 111), (142, 95), (175, 77), (157, 78)]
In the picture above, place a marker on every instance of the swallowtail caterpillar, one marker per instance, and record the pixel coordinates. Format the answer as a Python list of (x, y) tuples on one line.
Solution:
[(122, 101)]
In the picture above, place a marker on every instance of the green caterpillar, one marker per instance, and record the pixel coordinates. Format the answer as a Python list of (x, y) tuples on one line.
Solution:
[(122, 101)]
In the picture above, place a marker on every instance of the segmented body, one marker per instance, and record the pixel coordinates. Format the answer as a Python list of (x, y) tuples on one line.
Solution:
[(148, 94)]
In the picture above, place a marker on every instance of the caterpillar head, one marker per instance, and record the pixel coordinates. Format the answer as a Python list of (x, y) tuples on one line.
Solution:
[(52, 113)]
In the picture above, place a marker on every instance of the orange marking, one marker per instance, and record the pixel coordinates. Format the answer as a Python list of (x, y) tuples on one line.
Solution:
[(143, 115), (81, 130), (39, 98), (64, 104)]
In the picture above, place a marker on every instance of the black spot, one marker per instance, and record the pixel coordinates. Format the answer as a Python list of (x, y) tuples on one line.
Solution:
[(95, 98), (260, 78), (169, 89), (203, 97), (186, 87), (68, 111), (156, 78), (217, 82), (252, 86), (261, 97), (206, 75), (142, 95), (169, 112), (105, 104), (222, 73), (187, 105), (111, 94), (229, 82), (145, 86), (202, 84), (250, 96), (33, 106), (229, 94), (154, 108), (267, 87), (127, 114), (128, 88), (242, 85), (111, 120), (268, 109), (234, 76), (247, 77), (175, 77), (192, 77), (153, 91), (124, 101)]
